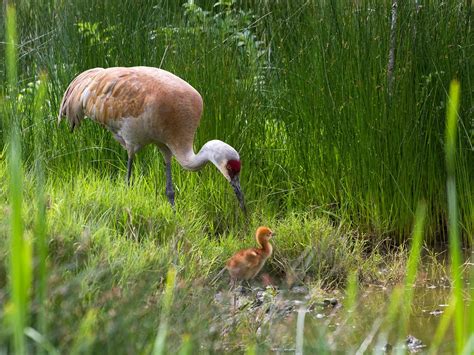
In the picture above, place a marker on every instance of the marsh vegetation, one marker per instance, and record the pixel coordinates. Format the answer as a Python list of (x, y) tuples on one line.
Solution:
[(367, 180)]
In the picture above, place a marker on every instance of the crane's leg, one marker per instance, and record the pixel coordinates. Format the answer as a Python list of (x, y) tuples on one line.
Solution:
[(129, 166), (169, 184), (232, 290), (169, 180)]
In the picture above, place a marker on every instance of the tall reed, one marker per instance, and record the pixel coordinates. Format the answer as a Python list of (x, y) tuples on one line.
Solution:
[(412, 269), (160, 341), (40, 223), (452, 115), (20, 248)]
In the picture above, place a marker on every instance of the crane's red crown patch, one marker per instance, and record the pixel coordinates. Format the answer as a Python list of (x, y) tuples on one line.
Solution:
[(234, 167)]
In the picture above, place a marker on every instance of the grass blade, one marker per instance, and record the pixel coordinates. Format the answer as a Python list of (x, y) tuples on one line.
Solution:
[(40, 225), (300, 330), (11, 47), (454, 240), (20, 248), (443, 326), (160, 340), (86, 333), (412, 268)]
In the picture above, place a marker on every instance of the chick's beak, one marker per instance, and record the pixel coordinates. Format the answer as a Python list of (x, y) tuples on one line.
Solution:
[(235, 182)]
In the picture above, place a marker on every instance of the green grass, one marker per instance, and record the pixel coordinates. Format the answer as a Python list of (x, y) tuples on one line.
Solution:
[(332, 163), (160, 346), (20, 247), (110, 249), (412, 269), (454, 239), (299, 89), (40, 230)]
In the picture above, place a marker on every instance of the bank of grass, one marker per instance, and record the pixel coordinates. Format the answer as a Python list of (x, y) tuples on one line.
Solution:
[(110, 247), (96, 219)]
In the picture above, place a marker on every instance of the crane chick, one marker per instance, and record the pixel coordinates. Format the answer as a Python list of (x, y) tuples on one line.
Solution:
[(247, 263), (145, 105)]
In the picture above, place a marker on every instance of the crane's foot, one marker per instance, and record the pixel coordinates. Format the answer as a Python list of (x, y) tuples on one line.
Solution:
[(170, 195)]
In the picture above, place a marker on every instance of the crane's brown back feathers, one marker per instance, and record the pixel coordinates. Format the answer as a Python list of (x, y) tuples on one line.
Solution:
[(158, 105)]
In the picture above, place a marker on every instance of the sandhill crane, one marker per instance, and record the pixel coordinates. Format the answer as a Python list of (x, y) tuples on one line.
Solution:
[(145, 105)]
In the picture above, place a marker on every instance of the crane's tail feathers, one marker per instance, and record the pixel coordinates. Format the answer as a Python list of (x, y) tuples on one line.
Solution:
[(75, 97)]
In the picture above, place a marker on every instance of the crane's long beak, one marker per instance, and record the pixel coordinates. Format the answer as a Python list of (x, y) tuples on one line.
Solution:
[(235, 182)]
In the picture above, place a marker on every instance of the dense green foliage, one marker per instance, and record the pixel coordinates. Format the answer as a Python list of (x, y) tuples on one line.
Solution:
[(300, 89), (333, 161)]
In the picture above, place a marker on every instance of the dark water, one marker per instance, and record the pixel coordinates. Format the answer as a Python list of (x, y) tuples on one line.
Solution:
[(428, 305), (329, 327)]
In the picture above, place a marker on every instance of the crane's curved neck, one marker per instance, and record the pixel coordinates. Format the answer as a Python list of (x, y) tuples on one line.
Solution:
[(190, 161)]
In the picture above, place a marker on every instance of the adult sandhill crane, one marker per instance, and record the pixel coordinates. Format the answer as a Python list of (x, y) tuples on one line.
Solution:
[(144, 105)]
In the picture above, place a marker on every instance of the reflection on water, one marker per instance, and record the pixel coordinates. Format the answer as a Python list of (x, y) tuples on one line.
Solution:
[(327, 323), (427, 306)]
